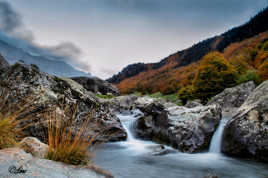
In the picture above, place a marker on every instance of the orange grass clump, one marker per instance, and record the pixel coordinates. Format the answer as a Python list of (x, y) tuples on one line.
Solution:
[(11, 129), (65, 144)]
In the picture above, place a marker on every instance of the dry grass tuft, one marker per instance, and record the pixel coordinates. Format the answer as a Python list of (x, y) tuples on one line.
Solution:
[(7, 133), (66, 143), (11, 129)]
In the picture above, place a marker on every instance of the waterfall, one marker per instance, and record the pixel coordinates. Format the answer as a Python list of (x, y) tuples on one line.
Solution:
[(127, 123), (215, 145)]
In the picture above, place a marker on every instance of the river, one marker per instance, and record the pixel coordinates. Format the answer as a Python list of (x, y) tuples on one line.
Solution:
[(133, 158)]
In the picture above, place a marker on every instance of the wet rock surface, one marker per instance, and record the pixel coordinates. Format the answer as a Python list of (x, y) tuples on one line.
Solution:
[(189, 130), (246, 134)]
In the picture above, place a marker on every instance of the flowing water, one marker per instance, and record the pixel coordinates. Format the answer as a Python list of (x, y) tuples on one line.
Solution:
[(133, 158), (215, 145)]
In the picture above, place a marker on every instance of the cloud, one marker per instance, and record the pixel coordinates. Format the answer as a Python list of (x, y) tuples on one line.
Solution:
[(13, 31), (9, 20)]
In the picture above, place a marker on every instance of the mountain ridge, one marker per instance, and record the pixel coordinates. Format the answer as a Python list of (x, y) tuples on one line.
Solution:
[(55, 67), (254, 26)]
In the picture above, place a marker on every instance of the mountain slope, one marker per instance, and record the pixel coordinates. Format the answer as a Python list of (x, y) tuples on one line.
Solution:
[(133, 77), (55, 67)]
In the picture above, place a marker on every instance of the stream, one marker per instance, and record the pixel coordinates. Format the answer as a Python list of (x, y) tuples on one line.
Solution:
[(133, 158)]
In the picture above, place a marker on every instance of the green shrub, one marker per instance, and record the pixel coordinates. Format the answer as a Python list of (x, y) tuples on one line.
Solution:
[(186, 93), (265, 46), (138, 93), (250, 75), (253, 53), (214, 75), (156, 95), (171, 98), (105, 96)]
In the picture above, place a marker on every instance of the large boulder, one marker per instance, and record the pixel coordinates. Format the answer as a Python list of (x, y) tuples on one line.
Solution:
[(233, 97), (14, 162), (246, 134), (96, 85), (63, 96), (3, 64), (189, 130)]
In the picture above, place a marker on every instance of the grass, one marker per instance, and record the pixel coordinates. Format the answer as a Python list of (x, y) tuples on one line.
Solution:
[(11, 129), (170, 98), (105, 96), (7, 133), (64, 144)]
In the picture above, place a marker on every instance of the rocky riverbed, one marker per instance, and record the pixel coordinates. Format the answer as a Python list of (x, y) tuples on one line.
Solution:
[(159, 127)]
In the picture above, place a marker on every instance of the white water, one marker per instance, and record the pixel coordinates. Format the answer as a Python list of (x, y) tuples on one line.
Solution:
[(132, 143), (133, 158), (215, 144)]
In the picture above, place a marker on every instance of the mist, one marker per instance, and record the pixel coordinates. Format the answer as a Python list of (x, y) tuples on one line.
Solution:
[(14, 32)]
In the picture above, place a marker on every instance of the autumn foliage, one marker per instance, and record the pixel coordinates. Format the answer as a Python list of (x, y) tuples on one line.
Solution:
[(239, 62), (215, 74)]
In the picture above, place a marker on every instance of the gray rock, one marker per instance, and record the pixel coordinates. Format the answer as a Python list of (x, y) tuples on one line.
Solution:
[(160, 150), (233, 97), (15, 163), (211, 175), (192, 104), (23, 81), (95, 85), (246, 134), (144, 101), (121, 103), (189, 130), (34, 146)]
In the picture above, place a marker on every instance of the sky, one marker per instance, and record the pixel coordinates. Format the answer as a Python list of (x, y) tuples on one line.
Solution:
[(103, 36)]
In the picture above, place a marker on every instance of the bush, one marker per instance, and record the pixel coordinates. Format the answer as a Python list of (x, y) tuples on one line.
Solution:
[(65, 144), (156, 95), (186, 93), (239, 64), (214, 75), (263, 70), (265, 46), (250, 75), (171, 98), (138, 94), (253, 53)]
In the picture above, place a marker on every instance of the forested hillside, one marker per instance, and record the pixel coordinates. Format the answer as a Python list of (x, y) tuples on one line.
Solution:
[(243, 47)]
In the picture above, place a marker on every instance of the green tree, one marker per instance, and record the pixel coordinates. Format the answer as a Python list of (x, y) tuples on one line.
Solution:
[(186, 93), (214, 75)]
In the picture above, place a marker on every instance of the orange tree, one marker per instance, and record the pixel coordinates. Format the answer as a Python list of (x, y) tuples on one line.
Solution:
[(214, 75)]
